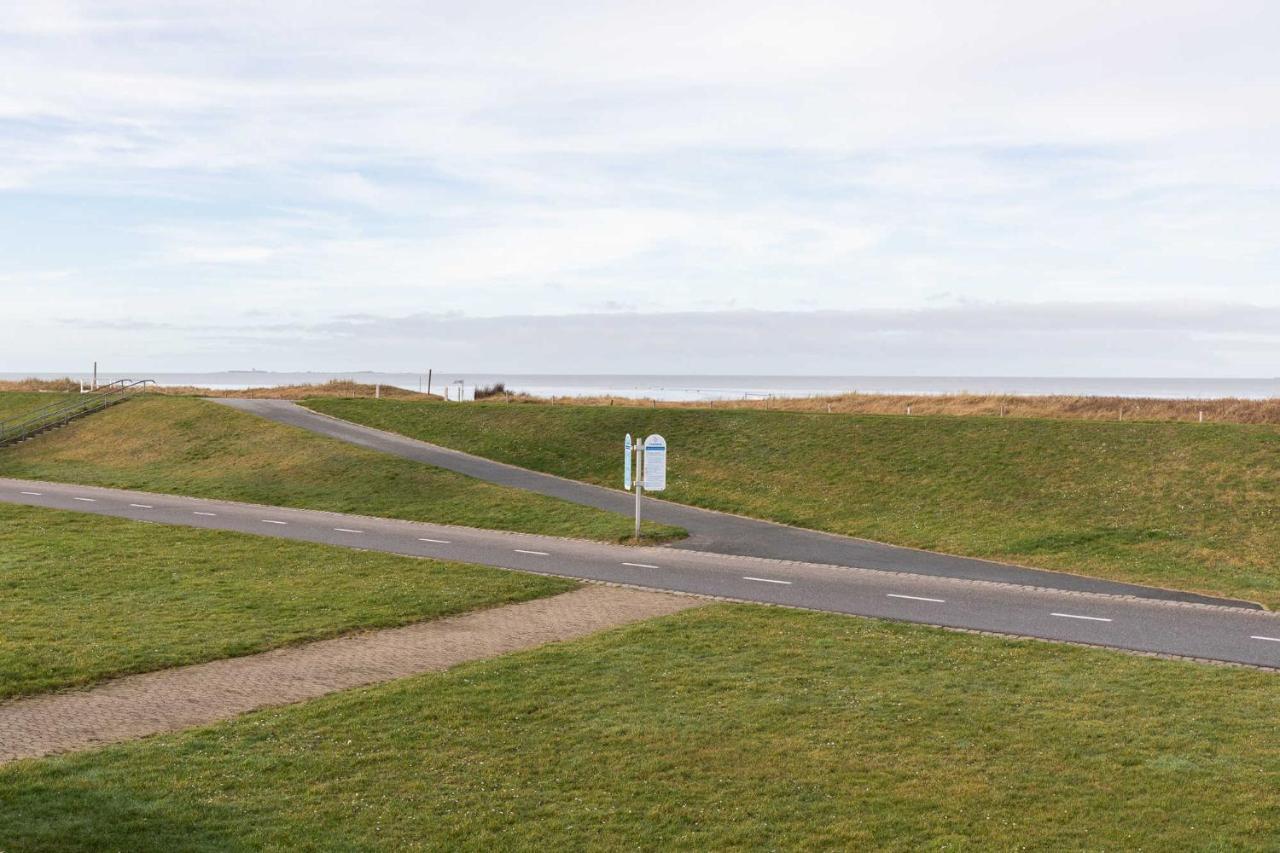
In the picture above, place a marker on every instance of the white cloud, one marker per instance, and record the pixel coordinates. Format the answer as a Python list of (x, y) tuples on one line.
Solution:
[(1052, 339), (495, 158), (221, 255)]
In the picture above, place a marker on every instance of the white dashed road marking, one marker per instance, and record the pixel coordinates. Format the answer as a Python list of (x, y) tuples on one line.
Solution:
[(902, 596), (1074, 616)]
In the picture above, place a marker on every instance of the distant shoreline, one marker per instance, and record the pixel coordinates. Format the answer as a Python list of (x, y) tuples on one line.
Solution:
[(693, 388), (1232, 410)]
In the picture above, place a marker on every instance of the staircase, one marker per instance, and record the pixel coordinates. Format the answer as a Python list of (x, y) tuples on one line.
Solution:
[(56, 414)]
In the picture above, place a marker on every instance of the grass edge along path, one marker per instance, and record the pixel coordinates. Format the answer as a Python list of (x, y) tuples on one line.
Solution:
[(175, 699), (87, 598), (194, 447), (1184, 506), (725, 727)]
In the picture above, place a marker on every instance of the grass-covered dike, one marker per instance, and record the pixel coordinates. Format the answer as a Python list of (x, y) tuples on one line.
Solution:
[(196, 447), (16, 404), (1189, 506)]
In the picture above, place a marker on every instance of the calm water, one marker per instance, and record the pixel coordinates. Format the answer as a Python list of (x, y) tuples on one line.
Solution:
[(724, 387)]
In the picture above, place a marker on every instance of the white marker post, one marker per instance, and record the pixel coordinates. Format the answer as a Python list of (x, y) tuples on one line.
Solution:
[(633, 450)]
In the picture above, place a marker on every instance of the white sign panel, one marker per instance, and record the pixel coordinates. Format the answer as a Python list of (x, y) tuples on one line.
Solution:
[(626, 463), (655, 463)]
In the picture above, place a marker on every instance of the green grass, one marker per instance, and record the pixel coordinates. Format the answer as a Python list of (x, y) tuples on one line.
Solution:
[(194, 447), (1189, 506), (84, 598), (16, 403), (729, 727)]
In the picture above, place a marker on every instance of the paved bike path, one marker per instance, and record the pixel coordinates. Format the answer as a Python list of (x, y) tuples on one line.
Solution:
[(1139, 624), (711, 531)]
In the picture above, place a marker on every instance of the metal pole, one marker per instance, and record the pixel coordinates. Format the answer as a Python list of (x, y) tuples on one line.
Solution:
[(639, 482)]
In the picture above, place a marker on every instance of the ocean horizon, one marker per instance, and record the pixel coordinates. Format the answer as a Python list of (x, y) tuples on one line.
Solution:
[(713, 387)]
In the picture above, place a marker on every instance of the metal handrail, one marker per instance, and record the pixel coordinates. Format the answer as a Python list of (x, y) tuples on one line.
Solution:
[(80, 399), (61, 412)]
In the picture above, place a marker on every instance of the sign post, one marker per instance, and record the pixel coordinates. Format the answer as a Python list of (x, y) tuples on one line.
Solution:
[(644, 466), (639, 488)]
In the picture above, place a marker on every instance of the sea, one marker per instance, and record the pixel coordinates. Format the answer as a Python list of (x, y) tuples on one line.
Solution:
[(706, 387)]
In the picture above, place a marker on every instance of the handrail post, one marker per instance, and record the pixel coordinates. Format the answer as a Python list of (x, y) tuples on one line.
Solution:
[(62, 412)]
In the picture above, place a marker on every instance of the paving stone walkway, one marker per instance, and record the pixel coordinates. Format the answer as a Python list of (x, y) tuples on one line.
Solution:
[(169, 700)]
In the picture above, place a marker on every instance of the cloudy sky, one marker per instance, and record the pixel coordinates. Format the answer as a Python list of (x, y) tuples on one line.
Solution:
[(1007, 188)]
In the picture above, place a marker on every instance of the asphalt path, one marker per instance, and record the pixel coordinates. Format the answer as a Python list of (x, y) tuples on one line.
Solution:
[(1193, 630), (710, 531)]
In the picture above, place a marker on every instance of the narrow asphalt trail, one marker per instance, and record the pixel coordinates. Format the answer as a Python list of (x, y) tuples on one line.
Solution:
[(1138, 624), (711, 531)]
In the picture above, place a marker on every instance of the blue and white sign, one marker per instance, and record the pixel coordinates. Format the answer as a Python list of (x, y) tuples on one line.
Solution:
[(655, 463), (626, 463)]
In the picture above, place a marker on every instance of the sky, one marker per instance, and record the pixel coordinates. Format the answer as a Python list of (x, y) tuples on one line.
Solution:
[(996, 188)]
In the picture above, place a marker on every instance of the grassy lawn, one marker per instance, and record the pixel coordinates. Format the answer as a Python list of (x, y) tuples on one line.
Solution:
[(15, 403), (84, 598), (1188, 506), (194, 447), (725, 727)]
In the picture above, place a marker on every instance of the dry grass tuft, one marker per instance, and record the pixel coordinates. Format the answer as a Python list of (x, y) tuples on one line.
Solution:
[(333, 388), (59, 385), (1061, 407), (1223, 410)]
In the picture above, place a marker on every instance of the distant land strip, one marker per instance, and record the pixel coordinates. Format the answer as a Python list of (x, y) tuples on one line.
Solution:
[(1058, 406)]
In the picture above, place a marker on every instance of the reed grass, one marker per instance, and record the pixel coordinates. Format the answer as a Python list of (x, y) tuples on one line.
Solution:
[(332, 388), (1233, 410), (1053, 407)]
